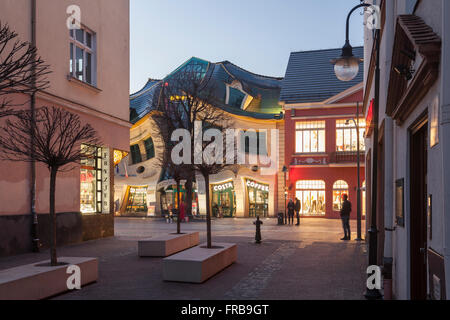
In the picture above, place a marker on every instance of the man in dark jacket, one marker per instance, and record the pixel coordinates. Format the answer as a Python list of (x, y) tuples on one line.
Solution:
[(298, 207), (345, 216)]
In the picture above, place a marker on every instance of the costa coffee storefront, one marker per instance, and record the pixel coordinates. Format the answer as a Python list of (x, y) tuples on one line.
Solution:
[(242, 197)]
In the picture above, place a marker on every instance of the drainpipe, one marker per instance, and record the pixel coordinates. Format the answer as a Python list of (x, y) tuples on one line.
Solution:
[(444, 135), (388, 208), (34, 217), (388, 259)]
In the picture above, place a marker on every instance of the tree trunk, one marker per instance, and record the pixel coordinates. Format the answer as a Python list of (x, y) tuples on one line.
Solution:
[(179, 206), (188, 188), (53, 258), (208, 213)]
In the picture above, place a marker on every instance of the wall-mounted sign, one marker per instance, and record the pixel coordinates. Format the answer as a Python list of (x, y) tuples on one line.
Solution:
[(257, 186), (106, 180), (223, 186), (369, 119)]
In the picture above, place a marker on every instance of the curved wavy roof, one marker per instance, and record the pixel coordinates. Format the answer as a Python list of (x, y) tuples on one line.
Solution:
[(265, 90)]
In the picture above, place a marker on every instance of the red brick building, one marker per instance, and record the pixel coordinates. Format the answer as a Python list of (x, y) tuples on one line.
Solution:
[(321, 140)]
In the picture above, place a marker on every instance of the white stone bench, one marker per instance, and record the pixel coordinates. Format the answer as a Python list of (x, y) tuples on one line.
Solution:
[(35, 282), (198, 264), (166, 245)]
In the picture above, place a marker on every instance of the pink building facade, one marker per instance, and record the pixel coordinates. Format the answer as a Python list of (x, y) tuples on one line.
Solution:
[(83, 82)]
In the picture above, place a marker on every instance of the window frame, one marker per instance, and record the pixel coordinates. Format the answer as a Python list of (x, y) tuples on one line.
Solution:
[(74, 43), (310, 127), (351, 128)]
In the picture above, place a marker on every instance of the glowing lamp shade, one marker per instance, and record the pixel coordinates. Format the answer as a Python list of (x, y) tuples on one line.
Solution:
[(346, 68)]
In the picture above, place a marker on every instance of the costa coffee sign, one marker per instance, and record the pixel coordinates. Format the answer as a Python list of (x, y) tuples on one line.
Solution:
[(258, 186), (223, 187)]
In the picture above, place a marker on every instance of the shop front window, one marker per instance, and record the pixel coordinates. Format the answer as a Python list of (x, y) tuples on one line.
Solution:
[(223, 200), (258, 199), (137, 200), (339, 189), (311, 194)]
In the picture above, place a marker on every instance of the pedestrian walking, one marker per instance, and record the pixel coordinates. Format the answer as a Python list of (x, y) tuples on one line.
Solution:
[(345, 216), (182, 211), (298, 207), (291, 209)]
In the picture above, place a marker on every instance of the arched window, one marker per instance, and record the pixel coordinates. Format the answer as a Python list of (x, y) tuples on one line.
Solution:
[(311, 194), (339, 189)]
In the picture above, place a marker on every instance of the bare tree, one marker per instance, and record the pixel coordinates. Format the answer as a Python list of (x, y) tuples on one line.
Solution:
[(188, 100), (60, 139), (21, 70)]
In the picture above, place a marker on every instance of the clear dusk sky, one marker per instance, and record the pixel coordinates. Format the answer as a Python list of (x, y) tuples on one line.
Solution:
[(257, 35)]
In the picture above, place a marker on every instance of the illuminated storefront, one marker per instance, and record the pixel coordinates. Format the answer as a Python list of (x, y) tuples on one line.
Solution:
[(95, 182), (339, 189), (137, 200), (311, 194), (223, 200), (258, 198)]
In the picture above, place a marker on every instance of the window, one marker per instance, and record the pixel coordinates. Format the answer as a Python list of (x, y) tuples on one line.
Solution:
[(82, 56), (250, 140), (149, 148), (311, 194), (339, 189), (236, 98), (135, 154), (363, 199), (346, 138), (310, 137)]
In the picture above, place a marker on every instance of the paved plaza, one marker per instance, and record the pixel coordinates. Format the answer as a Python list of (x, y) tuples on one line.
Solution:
[(292, 263)]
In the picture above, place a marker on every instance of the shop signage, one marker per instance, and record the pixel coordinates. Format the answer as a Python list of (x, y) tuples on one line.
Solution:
[(369, 119), (106, 180), (223, 187), (253, 184)]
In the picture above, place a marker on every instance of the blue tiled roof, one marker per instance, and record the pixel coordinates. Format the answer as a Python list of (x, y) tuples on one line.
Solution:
[(141, 101), (310, 76)]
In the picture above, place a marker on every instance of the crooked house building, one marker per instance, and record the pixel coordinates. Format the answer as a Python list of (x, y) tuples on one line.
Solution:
[(252, 101)]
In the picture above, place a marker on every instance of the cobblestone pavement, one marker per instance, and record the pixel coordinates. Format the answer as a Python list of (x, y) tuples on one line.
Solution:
[(292, 263)]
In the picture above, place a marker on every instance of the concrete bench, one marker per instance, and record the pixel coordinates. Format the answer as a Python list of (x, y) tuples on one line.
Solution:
[(36, 282), (198, 264), (166, 245)]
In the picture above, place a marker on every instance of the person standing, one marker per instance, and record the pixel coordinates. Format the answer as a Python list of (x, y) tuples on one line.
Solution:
[(345, 216), (298, 207), (291, 209), (182, 211)]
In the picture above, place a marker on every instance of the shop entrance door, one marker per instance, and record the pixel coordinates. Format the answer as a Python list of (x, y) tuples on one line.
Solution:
[(418, 234), (258, 203)]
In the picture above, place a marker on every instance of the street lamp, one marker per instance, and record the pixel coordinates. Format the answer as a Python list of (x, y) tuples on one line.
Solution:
[(285, 170), (346, 70)]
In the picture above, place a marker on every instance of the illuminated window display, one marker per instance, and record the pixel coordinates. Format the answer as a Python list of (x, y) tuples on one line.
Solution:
[(95, 182), (137, 200), (258, 198), (223, 200), (339, 189), (311, 193)]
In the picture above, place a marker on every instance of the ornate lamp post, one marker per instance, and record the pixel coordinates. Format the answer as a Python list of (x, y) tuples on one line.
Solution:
[(346, 69)]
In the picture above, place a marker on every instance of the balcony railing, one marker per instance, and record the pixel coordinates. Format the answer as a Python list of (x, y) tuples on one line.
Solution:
[(347, 157)]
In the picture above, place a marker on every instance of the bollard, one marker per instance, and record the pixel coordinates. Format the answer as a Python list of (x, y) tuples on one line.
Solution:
[(258, 224)]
